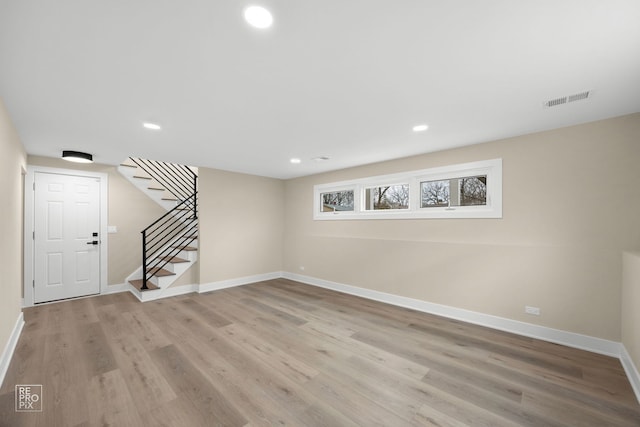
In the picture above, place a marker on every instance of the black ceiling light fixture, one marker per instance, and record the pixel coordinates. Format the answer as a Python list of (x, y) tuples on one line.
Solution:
[(77, 156)]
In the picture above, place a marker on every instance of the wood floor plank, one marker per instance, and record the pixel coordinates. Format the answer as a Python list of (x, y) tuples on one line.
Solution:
[(415, 393), (280, 353), (506, 408), (258, 406), (97, 349), (83, 310), (276, 358), (212, 406), (267, 310), (110, 403), (176, 413), (354, 406), (476, 370), (205, 313), (148, 387), (371, 352), (553, 364), (145, 330), (66, 378)]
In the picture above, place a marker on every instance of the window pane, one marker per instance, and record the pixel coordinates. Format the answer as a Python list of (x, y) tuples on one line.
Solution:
[(387, 197), (467, 191), (473, 190), (434, 194), (337, 201)]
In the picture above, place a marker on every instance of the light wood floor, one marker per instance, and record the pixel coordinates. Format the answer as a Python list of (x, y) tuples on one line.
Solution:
[(284, 353)]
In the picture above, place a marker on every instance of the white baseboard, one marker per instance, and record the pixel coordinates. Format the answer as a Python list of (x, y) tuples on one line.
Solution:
[(179, 290), (7, 354), (114, 289), (223, 284), (570, 339), (205, 287), (631, 370)]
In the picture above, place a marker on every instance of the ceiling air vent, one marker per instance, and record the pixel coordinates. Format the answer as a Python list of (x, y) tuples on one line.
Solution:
[(566, 99)]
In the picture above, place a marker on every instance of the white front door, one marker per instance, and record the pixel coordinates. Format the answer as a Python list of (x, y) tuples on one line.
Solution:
[(66, 236)]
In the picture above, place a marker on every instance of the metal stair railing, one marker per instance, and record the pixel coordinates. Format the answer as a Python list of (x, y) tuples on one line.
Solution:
[(179, 180), (166, 237)]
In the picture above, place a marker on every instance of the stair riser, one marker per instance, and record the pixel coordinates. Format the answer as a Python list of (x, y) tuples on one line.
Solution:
[(189, 255)]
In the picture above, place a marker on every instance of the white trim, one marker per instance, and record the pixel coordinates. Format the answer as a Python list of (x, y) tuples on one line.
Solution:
[(173, 291), (29, 225), (156, 294), (10, 347), (493, 209), (115, 289), (631, 370), (570, 339), (230, 283)]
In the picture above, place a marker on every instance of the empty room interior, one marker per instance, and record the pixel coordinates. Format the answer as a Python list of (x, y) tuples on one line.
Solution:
[(322, 213)]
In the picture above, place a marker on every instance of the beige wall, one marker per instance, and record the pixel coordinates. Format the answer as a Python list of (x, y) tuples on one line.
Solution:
[(241, 225), (631, 305), (12, 165), (129, 210), (189, 277), (570, 207)]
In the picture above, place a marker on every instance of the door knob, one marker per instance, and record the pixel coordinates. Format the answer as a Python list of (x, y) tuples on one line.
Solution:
[(94, 242)]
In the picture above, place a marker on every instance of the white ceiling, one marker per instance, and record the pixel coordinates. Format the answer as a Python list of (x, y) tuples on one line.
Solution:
[(347, 79)]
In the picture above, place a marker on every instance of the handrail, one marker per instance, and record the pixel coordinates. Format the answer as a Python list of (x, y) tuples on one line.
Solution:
[(165, 237)]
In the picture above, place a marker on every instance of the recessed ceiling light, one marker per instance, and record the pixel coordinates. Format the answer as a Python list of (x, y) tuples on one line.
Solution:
[(152, 126), (294, 160), (258, 16), (420, 128), (320, 159)]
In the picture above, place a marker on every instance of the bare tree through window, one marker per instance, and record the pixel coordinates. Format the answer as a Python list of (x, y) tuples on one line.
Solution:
[(337, 201), (467, 191), (435, 193), (387, 197), (473, 191)]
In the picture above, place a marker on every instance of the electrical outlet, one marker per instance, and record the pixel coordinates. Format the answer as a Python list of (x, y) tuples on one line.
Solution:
[(532, 310)]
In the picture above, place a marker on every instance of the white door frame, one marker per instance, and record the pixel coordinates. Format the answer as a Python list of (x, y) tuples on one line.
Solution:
[(29, 226)]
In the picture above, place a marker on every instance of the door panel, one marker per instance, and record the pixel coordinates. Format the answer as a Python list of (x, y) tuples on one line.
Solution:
[(66, 214)]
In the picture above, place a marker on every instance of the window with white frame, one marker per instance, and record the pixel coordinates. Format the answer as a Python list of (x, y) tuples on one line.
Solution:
[(467, 190), (337, 201), (380, 197)]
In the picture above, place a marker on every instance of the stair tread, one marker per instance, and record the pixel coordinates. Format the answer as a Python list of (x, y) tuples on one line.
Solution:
[(174, 260), (137, 283), (172, 199), (186, 248), (129, 166), (155, 188), (142, 177)]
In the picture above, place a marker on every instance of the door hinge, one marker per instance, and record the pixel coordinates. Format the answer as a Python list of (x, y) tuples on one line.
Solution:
[(34, 235), (34, 186), (34, 284)]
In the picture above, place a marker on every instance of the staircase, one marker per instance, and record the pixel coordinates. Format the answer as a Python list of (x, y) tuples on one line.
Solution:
[(170, 243)]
